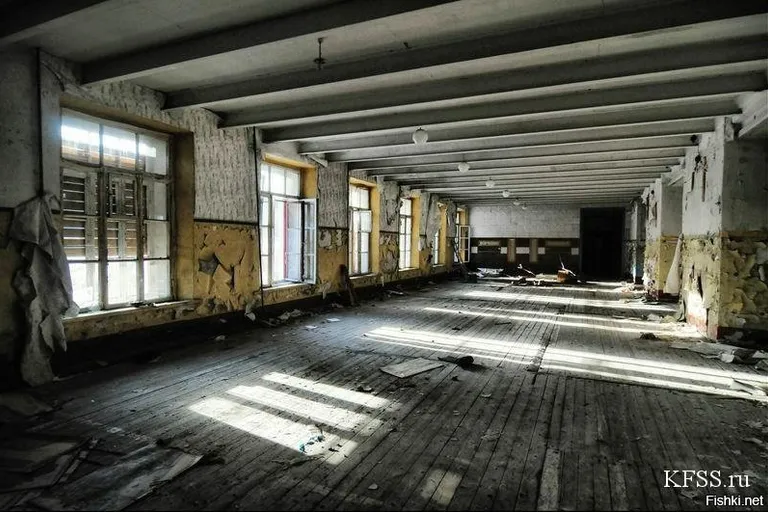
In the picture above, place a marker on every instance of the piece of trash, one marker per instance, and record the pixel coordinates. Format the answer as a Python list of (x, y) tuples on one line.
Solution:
[(333, 319), (461, 361), (730, 358), (373, 487), (364, 389), (223, 320), (455, 328), (220, 337), (410, 368), (747, 387), (251, 316), (310, 327), (762, 365), (116, 486), (332, 449), (653, 318), (336, 305), (488, 395), (648, 336), (314, 435), (455, 378)]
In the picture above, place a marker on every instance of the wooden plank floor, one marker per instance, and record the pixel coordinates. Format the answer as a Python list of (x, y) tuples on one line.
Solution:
[(567, 408)]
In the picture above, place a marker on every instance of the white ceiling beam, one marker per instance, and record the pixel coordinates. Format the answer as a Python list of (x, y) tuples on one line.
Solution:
[(622, 23), (684, 127), (252, 35), (681, 62), (748, 79), (612, 116), (22, 19), (514, 159), (460, 180)]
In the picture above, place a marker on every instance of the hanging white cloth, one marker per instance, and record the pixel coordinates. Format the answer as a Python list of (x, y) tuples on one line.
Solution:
[(44, 287)]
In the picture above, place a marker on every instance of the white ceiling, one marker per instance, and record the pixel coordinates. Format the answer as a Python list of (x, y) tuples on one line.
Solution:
[(600, 96)]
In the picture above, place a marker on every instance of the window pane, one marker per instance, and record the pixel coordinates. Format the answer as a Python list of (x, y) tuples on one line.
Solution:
[(278, 241), (365, 198), (264, 177), (156, 200), (157, 280), (79, 192), (121, 281), (264, 212), (294, 233), (79, 140), (153, 154), (119, 148), (310, 241), (80, 237), (292, 183), (85, 284), (121, 240), (121, 196), (265, 281), (156, 238), (364, 263), (405, 207), (277, 180), (365, 221)]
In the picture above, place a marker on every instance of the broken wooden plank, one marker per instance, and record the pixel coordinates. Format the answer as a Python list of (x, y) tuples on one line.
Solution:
[(115, 487), (411, 368)]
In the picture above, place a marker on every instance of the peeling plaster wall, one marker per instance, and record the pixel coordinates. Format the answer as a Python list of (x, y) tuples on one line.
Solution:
[(745, 194), (227, 276), (662, 229), (389, 193), (743, 278), (225, 177), (700, 283), (333, 196)]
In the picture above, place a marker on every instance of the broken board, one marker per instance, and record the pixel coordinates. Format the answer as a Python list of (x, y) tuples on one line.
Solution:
[(409, 368), (115, 487)]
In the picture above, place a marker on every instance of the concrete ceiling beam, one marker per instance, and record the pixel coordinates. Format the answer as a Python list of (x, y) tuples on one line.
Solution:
[(415, 174), (748, 79), (622, 23), (23, 19), (679, 62), (501, 179), (709, 107), (684, 127), (547, 184), (260, 33), (526, 157)]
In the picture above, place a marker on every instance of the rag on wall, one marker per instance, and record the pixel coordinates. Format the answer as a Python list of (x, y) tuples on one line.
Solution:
[(43, 285)]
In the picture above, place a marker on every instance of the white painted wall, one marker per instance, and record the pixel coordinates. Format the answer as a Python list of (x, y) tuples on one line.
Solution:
[(537, 221), (702, 207), (745, 188)]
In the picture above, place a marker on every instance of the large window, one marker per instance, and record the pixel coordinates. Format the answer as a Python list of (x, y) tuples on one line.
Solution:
[(406, 228), (359, 230), (287, 227), (115, 189), (462, 238)]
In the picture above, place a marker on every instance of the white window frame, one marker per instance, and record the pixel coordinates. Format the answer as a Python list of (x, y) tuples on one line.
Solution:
[(436, 248), (405, 234), (114, 205), (307, 227), (360, 225)]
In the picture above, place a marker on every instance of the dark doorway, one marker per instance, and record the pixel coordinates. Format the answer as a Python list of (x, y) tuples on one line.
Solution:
[(602, 239)]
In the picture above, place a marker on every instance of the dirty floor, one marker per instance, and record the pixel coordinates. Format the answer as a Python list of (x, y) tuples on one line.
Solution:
[(566, 407)]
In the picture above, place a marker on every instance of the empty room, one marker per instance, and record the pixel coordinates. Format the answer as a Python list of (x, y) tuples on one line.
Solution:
[(383, 255)]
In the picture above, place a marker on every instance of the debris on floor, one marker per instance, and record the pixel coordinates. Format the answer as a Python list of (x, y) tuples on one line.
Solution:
[(648, 336), (460, 361), (364, 389), (314, 435), (726, 353), (116, 486), (32, 461), (410, 368), (748, 387), (331, 320)]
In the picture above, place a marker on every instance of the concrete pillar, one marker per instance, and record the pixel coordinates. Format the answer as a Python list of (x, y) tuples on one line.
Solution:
[(725, 226), (635, 246), (663, 227)]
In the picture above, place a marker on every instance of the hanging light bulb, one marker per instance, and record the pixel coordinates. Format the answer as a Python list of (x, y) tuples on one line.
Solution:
[(420, 136), (490, 183), (516, 202), (505, 193), (463, 166)]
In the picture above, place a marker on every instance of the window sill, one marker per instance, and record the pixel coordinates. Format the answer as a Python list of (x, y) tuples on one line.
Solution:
[(360, 277), (282, 286), (82, 317)]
